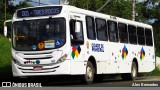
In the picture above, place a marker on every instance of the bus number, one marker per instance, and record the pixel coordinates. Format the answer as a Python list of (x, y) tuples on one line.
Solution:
[(25, 13)]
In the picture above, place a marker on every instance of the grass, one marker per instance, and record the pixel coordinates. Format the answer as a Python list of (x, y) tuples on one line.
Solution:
[(5, 52), (5, 58), (155, 72)]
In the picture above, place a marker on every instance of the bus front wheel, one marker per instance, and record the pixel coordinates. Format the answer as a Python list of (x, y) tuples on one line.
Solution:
[(89, 75)]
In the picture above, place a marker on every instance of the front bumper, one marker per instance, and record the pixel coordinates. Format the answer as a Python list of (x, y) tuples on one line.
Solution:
[(54, 69)]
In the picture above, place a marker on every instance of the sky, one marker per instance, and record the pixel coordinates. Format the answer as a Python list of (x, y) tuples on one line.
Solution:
[(41, 1)]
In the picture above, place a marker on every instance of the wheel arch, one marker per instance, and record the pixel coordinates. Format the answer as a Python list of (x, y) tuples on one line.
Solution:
[(93, 61), (136, 61)]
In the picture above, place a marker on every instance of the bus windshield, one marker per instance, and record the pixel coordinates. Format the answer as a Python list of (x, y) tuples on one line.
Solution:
[(36, 35)]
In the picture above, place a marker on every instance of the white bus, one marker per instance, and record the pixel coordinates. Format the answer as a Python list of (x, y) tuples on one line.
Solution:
[(66, 40)]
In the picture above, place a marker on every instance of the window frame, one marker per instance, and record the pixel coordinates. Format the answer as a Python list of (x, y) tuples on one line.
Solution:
[(104, 29), (141, 36), (75, 42), (132, 34), (151, 37), (113, 32), (93, 28), (126, 27)]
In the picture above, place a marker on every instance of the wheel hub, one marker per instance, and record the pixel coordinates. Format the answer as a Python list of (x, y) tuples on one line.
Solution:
[(89, 72), (134, 72)]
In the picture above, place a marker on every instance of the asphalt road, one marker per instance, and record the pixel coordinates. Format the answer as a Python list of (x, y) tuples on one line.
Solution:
[(113, 82), (74, 83), (71, 81)]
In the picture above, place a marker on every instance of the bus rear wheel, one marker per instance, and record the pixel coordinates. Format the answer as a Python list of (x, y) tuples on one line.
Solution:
[(89, 75), (132, 75)]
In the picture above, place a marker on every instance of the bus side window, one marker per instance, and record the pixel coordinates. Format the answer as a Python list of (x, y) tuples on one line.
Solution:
[(101, 28), (132, 34), (76, 32), (90, 28), (123, 33), (113, 31), (140, 34), (148, 37)]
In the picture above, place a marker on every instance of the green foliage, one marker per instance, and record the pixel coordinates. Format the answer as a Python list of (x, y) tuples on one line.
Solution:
[(5, 59), (155, 72), (85, 4), (5, 52), (119, 8), (10, 9), (156, 31), (23, 4)]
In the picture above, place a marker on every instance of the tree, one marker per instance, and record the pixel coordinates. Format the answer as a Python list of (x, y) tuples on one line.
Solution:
[(120, 8), (152, 12), (10, 8)]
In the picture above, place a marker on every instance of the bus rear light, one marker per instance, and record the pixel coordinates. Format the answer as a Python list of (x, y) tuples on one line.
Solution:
[(62, 59)]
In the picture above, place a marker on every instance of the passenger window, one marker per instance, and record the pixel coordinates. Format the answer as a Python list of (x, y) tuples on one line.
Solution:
[(132, 34), (90, 28), (148, 37), (76, 32), (140, 34), (123, 33), (101, 28), (113, 31)]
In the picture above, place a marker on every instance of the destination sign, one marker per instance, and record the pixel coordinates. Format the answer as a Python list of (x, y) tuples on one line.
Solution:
[(39, 11)]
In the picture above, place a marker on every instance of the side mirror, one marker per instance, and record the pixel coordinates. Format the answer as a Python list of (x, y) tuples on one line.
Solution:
[(5, 31), (77, 27)]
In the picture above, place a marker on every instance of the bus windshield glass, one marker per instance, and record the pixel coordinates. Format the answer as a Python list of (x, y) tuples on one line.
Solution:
[(36, 35)]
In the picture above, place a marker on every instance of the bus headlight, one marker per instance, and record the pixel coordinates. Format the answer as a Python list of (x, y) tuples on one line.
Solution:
[(16, 61), (62, 59)]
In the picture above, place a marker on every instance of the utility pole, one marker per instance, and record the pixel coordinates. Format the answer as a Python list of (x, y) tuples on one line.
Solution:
[(39, 2), (133, 10), (5, 6)]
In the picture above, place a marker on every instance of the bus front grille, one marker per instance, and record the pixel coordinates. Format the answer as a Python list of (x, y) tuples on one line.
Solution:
[(31, 70), (37, 56)]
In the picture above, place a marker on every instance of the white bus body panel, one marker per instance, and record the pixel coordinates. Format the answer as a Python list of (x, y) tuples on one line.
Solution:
[(109, 61)]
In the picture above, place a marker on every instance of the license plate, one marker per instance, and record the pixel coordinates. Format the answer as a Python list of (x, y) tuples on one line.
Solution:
[(37, 68)]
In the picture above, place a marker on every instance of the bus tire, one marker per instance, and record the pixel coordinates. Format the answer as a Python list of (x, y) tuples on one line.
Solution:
[(132, 75), (134, 71), (90, 72)]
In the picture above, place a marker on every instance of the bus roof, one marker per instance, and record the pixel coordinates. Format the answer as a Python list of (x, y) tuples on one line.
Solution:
[(74, 9)]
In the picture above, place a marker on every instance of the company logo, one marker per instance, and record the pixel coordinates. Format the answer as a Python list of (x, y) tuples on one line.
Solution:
[(124, 52), (76, 50), (97, 47), (6, 84), (142, 54), (13, 84), (32, 62)]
